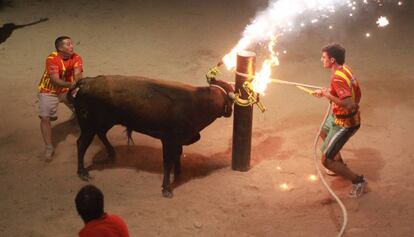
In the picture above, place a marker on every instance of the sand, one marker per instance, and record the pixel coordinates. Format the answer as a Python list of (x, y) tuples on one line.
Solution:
[(180, 40)]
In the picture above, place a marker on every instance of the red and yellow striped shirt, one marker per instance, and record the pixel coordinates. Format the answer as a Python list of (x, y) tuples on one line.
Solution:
[(344, 84), (55, 64)]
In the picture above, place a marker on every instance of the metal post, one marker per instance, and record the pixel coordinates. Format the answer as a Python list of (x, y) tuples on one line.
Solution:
[(243, 115)]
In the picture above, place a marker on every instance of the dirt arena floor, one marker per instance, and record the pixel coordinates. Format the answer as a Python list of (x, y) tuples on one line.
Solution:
[(180, 40)]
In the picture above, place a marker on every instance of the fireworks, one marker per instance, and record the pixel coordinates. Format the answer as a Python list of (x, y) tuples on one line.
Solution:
[(382, 21), (285, 16), (312, 177), (284, 186)]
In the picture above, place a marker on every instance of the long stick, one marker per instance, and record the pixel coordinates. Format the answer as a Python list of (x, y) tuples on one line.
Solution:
[(281, 81), (294, 83)]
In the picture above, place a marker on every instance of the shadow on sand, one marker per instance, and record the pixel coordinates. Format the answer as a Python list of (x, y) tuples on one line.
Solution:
[(62, 130), (368, 162), (149, 159), (7, 29), (193, 165)]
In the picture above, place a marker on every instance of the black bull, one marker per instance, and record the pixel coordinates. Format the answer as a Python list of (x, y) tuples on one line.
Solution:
[(173, 112)]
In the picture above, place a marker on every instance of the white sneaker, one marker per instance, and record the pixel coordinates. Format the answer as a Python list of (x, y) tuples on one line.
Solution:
[(49, 152), (357, 189)]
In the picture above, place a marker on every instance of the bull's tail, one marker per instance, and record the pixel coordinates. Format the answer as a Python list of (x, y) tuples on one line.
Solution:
[(129, 135)]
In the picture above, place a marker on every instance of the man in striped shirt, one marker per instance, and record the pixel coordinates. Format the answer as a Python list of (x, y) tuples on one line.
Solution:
[(344, 120), (63, 69)]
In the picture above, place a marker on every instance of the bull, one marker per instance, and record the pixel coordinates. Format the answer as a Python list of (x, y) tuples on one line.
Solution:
[(173, 112)]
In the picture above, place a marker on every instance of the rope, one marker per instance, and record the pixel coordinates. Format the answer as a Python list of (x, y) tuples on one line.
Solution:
[(343, 209), (221, 88)]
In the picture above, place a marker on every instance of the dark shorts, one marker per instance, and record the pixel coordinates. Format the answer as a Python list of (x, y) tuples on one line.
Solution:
[(336, 137)]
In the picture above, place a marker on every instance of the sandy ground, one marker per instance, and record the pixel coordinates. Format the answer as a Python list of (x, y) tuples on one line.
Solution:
[(180, 40)]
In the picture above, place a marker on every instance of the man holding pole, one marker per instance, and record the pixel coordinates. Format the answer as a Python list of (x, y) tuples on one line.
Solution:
[(344, 120)]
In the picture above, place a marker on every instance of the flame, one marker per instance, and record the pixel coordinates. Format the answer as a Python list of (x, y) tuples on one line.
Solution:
[(263, 77), (230, 59)]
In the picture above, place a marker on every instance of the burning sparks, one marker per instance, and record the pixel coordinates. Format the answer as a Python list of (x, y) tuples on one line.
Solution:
[(382, 21), (280, 17), (284, 16), (284, 186), (312, 178)]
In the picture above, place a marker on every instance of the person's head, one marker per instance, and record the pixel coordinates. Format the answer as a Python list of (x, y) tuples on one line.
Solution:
[(89, 203), (333, 54), (63, 44)]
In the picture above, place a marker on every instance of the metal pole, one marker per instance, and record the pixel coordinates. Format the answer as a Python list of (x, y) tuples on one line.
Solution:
[(243, 115)]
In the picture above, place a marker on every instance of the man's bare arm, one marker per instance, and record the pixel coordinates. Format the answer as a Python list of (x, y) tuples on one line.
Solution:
[(58, 82), (77, 74), (347, 103)]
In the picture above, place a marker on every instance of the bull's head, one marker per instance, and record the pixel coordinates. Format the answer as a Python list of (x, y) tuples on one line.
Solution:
[(228, 90)]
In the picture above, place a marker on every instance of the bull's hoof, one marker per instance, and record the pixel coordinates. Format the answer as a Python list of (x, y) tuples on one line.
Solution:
[(84, 176), (167, 193)]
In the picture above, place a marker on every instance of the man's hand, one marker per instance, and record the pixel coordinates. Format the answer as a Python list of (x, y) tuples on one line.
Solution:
[(73, 85), (324, 92), (317, 93)]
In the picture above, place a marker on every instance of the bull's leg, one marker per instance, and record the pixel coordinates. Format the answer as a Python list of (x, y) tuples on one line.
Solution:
[(177, 164), (83, 143), (171, 152), (109, 148), (166, 156)]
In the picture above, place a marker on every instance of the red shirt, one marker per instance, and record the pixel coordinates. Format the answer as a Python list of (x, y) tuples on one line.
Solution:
[(341, 88), (106, 226), (55, 64)]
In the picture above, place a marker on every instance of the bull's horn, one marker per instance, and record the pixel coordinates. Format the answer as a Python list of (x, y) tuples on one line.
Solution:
[(232, 96)]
